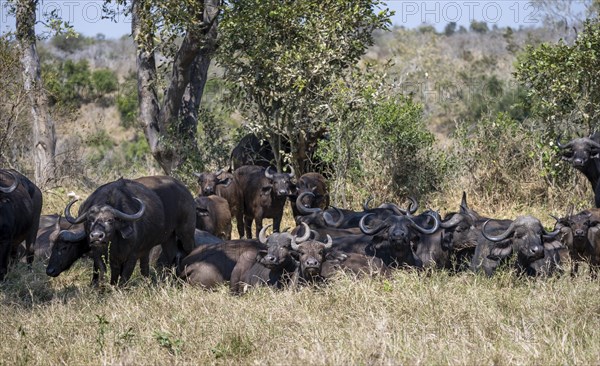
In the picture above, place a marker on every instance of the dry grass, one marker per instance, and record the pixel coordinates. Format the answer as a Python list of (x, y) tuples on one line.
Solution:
[(412, 318)]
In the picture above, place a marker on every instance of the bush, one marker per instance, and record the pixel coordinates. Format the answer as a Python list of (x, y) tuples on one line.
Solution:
[(104, 81), (68, 83), (127, 101)]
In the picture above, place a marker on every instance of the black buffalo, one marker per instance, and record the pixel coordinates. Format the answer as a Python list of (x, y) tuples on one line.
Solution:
[(315, 184), (264, 193), (125, 219), (583, 154), (20, 210)]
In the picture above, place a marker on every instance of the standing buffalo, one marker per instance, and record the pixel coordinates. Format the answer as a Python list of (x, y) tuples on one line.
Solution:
[(581, 236), (584, 154), (125, 219), (264, 195), (213, 216), (211, 182), (20, 210)]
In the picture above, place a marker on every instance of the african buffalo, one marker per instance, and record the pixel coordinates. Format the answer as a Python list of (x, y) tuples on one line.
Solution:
[(252, 150), (583, 154), (397, 234), (315, 184), (264, 195), (273, 266), (125, 219), (311, 255), (524, 237), (581, 236), (213, 216), (20, 210), (355, 263), (211, 265)]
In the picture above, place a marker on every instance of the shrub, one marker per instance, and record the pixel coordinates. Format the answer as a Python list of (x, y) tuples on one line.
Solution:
[(104, 81), (127, 101)]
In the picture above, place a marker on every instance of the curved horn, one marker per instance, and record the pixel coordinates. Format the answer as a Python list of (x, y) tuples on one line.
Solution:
[(561, 146), (392, 206), (303, 238), (593, 143), (452, 222), (198, 175), (414, 205), (366, 230), (551, 235), (303, 209), (267, 174), (292, 172), (219, 172), (70, 218), (329, 219), (422, 230), (366, 204), (262, 235), (329, 243), (14, 184), (500, 237), (131, 217), (70, 236)]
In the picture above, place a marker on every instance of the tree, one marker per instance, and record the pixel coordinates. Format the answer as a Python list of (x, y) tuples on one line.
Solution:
[(563, 81), (281, 55), (185, 31), (44, 137)]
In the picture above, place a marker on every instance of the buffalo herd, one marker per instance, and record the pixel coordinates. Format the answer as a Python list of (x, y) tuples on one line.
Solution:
[(156, 220)]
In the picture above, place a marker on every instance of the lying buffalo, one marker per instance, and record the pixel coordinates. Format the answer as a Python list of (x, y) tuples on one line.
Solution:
[(213, 216), (20, 210), (524, 238)]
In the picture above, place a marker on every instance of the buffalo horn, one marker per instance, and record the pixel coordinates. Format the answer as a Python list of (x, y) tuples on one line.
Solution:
[(303, 238), (329, 243), (561, 146), (292, 172), (365, 229), (262, 235), (500, 237), (198, 175), (551, 235), (422, 230), (329, 219), (303, 209), (70, 218), (366, 204), (392, 206), (14, 184), (71, 236), (452, 222), (268, 174), (131, 217)]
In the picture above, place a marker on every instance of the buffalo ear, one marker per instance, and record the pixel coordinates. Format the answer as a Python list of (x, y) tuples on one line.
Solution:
[(260, 254), (126, 231), (500, 250), (336, 255)]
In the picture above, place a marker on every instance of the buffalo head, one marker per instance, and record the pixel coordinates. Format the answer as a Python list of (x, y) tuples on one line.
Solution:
[(579, 151), (525, 236), (102, 222), (397, 231), (67, 246), (311, 253), (208, 182), (278, 251)]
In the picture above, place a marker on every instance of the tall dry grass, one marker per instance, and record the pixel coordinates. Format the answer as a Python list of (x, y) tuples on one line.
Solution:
[(411, 318)]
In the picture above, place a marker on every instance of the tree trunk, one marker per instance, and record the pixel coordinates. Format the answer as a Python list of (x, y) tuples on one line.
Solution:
[(44, 136), (171, 127)]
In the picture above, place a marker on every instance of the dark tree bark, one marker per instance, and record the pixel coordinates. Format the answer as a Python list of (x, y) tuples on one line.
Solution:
[(170, 128), (44, 136)]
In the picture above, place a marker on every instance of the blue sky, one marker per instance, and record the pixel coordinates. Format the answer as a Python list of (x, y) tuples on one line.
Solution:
[(86, 15)]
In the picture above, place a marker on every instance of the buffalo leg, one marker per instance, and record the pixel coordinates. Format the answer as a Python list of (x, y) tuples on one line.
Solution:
[(248, 226), (124, 271), (239, 220), (276, 224), (99, 270), (4, 254), (145, 264), (258, 224)]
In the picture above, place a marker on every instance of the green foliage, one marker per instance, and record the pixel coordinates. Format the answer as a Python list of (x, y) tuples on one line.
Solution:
[(564, 82), (127, 101), (450, 29), (168, 342), (68, 83), (280, 57), (213, 140), (378, 138), (104, 81)]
